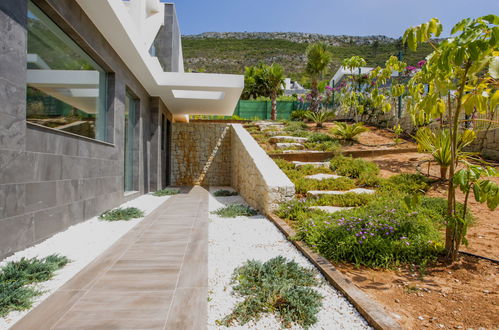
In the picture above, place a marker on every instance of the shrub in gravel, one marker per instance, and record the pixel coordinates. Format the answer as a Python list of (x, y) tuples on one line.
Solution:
[(122, 214), (235, 210), (277, 286), (16, 277), (225, 193), (326, 146), (166, 192), (353, 167), (320, 137)]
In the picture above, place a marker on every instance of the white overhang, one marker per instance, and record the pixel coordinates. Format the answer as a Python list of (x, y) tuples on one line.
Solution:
[(113, 20)]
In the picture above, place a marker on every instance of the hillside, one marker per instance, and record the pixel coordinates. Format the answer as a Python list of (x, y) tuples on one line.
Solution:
[(231, 52)]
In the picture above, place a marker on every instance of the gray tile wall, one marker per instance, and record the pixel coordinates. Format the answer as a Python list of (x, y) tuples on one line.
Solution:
[(50, 180)]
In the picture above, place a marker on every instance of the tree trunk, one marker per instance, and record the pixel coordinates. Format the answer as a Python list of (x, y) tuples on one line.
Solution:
[(314, 93), (273, 114), (443, 171), (452, 241)]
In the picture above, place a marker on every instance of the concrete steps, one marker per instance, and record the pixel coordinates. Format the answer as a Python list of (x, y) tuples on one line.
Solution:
[(331, 209), (323, 176), (314, 164), (284, 138)]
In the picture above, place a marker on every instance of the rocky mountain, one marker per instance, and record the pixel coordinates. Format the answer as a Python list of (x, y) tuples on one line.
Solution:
[(230, 52)]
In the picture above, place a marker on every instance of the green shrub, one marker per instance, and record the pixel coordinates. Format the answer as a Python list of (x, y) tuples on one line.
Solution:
[(320, 137), (327, 146), (284, 164), (380, 234), (122, 214), (17, 276), (224, 193), (235, 210), (353, 167), (344, 200), (406, 183), (277, 286), (347, 132), (302, 185), (369, 180), (293, 126), (166, 192), (299, 115)]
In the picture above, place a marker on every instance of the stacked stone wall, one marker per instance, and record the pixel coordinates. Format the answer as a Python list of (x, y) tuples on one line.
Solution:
[(200, 154)]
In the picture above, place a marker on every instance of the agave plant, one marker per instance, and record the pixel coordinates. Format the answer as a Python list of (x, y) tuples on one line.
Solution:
[(346, 132), (319, 117), (439, 146)]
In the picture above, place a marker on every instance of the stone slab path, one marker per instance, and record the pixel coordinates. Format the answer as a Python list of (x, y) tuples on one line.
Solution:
[(154, 277)]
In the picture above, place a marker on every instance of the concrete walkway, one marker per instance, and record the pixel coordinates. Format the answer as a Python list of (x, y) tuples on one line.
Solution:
[(155, 277)]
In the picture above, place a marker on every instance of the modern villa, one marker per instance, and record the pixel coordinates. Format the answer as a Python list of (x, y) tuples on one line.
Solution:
[(89, 91)]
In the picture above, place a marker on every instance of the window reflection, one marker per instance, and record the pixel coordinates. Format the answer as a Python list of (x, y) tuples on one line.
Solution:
[(66, 88)]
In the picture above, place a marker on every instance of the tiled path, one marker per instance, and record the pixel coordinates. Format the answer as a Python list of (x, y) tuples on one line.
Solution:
[(155, 277)]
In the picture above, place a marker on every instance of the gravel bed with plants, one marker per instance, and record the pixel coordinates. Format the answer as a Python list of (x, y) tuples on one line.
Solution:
[(80, 244), (235, 241)]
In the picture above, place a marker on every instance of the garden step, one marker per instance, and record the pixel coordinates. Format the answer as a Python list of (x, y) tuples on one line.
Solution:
[(285, 145), (282, 138), (300, 151), (331, 209), (337, 192), (323, 176), (314, 164)]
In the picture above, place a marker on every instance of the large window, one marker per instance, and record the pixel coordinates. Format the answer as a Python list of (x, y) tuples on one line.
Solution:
[(66, 88)]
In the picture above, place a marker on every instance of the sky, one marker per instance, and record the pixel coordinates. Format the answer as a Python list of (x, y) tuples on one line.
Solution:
[(336, 17)]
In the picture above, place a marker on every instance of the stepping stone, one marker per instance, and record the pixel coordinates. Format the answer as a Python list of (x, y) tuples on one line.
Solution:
[(323, 176), (301, 151), (314, 164), (337, 192), (282, 138), (331, 209), (289, 145)]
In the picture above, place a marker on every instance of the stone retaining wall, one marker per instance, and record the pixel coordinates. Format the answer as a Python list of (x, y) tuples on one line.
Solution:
[(221, 154), (200, 154), (490, 148), (255, 175)]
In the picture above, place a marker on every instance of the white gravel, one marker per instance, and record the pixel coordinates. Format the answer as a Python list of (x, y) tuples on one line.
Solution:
[(81, 243), (232, 241)]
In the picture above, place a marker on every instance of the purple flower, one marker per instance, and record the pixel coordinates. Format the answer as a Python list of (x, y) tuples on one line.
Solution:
[(421, 63)]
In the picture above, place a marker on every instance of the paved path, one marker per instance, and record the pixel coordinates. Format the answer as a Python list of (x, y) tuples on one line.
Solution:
[(154, 277)]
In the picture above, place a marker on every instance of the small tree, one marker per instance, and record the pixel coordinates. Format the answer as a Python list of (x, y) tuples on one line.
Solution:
[(318, 61), (455, 80), (274, 75), (264, 80)]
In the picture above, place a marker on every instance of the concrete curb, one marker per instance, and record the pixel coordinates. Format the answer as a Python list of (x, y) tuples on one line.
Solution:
[(375, 314)]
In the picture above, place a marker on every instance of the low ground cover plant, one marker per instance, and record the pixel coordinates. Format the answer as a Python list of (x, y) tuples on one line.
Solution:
[(302, 185), (353, 167), (326, 146), (235, 210), (344, 200), (122, 214), (381, 234), (278, 286), (166, 192), (225, 193), (16, 279)]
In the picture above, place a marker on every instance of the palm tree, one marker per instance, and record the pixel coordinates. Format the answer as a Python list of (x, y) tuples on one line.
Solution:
[(275, 79), (318, 60)]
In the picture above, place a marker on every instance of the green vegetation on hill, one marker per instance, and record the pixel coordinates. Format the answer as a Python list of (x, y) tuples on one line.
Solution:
[(232, 55)]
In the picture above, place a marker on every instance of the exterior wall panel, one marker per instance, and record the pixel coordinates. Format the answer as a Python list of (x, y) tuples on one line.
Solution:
[(49, 179)]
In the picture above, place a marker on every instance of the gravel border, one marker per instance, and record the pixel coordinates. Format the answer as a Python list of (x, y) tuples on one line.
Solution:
[(235, 240), (81, 243)]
